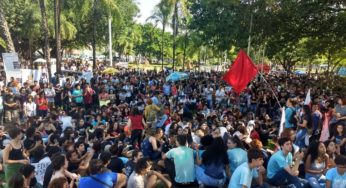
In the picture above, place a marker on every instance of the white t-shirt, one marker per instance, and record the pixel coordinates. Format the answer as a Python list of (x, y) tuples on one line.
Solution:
[(30, 109), (66, 122), (136, 181), (40, 169)]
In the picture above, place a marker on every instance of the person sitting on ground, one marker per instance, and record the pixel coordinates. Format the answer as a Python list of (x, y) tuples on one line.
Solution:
[(183, 161), (316, 164), (59, 183), (143, 177), (101, 177), (236, 153), (243, 174), (152, 145), (130, 165), (281, 169), (336, 177), (17, 181)]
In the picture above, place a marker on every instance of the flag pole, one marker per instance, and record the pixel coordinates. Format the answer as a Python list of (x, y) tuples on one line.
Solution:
[(271, 89), (249, 41)]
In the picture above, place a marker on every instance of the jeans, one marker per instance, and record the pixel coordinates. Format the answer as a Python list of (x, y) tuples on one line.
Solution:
[(300, 138), (253, 108), (204, 179), (1, 116), (283, 178), (136, 137), (316, 181), (12, 115), (210, 103)]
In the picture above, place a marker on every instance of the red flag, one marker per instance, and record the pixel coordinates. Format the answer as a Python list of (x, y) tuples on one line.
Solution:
[(264, 68), (241, 72)]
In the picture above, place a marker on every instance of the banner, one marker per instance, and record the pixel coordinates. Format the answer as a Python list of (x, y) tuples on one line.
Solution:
[(11, 61), (40, 169), (12, 66)]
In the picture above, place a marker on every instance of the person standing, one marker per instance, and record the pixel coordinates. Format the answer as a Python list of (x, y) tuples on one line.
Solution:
[(290, 114), (150, 112), (1, 108), (77, 96), (11, 108), (29, 108), (50, 94), (88, 96), (42, 105), (136, 124)]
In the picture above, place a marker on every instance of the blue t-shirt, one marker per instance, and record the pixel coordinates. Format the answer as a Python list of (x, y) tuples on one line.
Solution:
[(183, 163), (278, 162), (79, 93), (289, 112), (243, 175), (109, 178), (337, 180), (167, 89), (236, 157)]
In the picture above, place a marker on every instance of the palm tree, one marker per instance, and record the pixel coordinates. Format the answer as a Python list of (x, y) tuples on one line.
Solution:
[(162, 15), (5, 31), (57, 24), (2, 43), (177, 10), (46, 35)]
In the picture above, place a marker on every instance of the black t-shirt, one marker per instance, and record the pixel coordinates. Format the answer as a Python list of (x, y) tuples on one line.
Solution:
[(10, 99), (116, 165)]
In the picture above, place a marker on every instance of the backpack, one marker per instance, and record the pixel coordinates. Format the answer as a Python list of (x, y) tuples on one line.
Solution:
[(151, 116), (293, 120)]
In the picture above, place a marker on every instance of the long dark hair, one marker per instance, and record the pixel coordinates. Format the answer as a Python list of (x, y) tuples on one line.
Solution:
[(312, 151), (16, 181), (307, 114), (216, 153)]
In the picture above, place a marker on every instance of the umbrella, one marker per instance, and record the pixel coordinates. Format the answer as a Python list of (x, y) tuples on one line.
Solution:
[(110, 71), (176, 76), (300, 72), (40, 60)]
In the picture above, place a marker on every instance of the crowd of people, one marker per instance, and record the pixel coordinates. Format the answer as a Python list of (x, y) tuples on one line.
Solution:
[(136, 130)]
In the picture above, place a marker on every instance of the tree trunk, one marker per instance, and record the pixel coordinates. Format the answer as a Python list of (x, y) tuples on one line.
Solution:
[(94, 35), (184, 53), (175, 31), (5, 31), (162, 38), (30, 49), (57, 9), (46, 36)]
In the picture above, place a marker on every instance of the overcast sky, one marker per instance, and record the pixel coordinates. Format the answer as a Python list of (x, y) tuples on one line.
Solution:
[(146, 9)]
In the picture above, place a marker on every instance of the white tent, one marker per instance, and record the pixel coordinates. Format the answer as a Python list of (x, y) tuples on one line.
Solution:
[(40, 60)]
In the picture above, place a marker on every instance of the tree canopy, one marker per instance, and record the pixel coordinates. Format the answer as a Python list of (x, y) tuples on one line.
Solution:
[(286, 32)]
